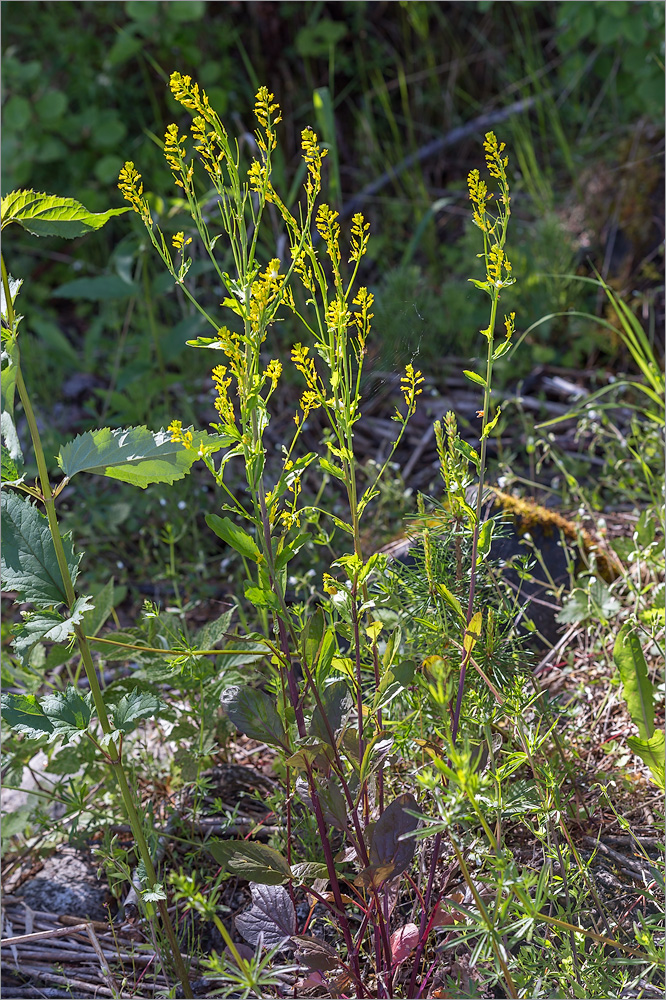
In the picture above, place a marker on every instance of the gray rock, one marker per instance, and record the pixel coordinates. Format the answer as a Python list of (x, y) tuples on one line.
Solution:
[(68, 884)]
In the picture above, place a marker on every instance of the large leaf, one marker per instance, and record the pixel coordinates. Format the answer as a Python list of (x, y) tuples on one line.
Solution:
[(29, 563), (250, 860), (252, 712), (51, 215), (638, 693), (389, 855), (135, 455), (652, 752), (47, 626), (271, 919), (24, 714), (69, 712)]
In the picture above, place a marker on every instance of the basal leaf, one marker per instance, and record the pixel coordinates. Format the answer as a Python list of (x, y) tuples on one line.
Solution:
[(29, 563), (252, 712), (132, 707), (24, 714), (251, 860), (315, 953), (403, 942), (636, 684), (134, 455), (52, 215), (652, 752), (271, 919)]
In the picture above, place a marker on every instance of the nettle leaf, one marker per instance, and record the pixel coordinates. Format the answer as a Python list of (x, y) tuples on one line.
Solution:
[(251, 860), (52, 215), (134, 706), (337, 702), (135, 455), (636, 683), (69, 712), (29, 563), (252, 712), (47, 626), (271, 919), (24, 714)]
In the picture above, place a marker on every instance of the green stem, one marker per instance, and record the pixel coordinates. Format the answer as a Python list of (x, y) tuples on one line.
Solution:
[(113, 755)]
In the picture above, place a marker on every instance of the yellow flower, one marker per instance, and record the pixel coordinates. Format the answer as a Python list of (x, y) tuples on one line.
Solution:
[(131, 188)]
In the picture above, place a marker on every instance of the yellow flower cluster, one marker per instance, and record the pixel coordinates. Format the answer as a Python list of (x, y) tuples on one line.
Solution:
[(495, 162), (131, 188), (187, 94), (273, 373), (364, 301), (411, 385), (223, 404), (179, 436), (210, 146), (329, 230), (499, 266), (479, 196), (264, 112), (313, 157), (174, 154), (263, 294), (359, 237), (178, 242), (305, 365)]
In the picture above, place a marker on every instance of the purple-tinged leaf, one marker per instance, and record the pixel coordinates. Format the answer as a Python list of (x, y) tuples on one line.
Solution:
[(271, 919)]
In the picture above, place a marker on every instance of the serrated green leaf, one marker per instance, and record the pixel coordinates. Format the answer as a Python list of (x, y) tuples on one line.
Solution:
[(10, 472), (134, 706), (653, 753), (250, 860), (49, 626), (52, 215), (234, 536), (69, 712), (636, 684), (134, 455), (24, 714), (253, 713), (29, 563)]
